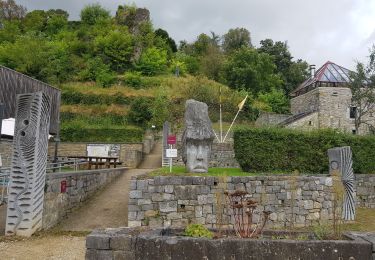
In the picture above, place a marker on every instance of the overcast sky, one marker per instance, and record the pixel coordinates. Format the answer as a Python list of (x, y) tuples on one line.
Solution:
[(341, 31)]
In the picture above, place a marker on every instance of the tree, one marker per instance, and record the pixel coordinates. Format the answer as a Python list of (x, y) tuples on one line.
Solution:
[(153, 61), (116, 48), (35, 21), (293, 73), (211, 63), (165, 36), (246, 69), (235, 39), (276, 100), (9, 10), (93, 13), (362, 86)]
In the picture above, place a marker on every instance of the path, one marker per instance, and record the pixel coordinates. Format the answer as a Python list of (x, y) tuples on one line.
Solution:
[(106, 209)]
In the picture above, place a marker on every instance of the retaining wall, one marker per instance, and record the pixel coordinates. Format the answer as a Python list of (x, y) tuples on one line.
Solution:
[(80, 186), (176, 201)]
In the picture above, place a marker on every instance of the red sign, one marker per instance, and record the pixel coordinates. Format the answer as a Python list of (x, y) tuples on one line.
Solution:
[(171, 139), (63, 186)]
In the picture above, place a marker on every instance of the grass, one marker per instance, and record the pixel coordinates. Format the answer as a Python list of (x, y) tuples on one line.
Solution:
[(180, 170), (365, 221)]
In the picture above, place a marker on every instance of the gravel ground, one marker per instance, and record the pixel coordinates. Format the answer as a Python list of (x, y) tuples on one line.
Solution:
[(46, 247)]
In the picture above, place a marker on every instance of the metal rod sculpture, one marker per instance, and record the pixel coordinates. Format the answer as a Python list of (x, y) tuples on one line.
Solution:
[(340, 163), (28, 173), (243, 210)]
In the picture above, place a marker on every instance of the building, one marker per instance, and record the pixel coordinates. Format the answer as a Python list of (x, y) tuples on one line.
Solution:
[(324, 101)]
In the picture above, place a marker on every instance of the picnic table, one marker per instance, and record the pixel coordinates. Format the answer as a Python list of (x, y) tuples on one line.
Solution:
[(99, 161)]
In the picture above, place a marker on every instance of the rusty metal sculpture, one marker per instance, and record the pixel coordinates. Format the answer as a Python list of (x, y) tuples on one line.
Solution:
[(243, 210)]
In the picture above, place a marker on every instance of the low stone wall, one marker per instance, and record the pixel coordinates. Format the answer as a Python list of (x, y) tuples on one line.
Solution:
[(128, 243), (222, 155), (6, 151), (365, 186), (80, 186), (175, 201)]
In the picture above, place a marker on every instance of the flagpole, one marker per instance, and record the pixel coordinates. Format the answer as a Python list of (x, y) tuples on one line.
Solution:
[(231, 124), (216, 135), (240, 106), (221, 122)]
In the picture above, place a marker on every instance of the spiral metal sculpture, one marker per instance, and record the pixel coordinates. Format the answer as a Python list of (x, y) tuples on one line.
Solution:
[(29, 162), (340, 161)]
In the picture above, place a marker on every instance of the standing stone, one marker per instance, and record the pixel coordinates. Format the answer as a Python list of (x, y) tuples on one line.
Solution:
[(197, 137), (340, 163), (28, 172)]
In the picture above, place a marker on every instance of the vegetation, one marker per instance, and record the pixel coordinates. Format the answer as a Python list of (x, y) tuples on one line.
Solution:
[(123, 61), (197, 230), (267, 149)]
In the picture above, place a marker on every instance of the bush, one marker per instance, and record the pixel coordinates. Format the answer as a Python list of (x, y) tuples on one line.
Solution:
[(265, 149), (78, 133), (197, 230), (133, 79), (140, 112)]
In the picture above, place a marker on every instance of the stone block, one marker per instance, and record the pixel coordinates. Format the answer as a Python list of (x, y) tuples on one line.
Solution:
[(185, 192), (308, 204), (168, 188), (97, 241), (134, 223), (174, 215), (123, 255), (135, 194), (147, 207), (169, 206), (144, 201), (133, 185), (198, 211), (167, 197), (121, 242), (132, 215), (155, 222), (151, 213), (199, 180), (207, 209), (157, 197), (92, 254)]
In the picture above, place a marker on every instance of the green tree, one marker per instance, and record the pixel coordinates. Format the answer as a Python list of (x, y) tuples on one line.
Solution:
[(153, 61), (362, 86), (276, 100), (165, 36), (160, 108), (10, 31), (9, 11), (56, 22), (202, 44), (116, 48), (211, 63), (235, 39), (93, 13), (97, 71), (293, 73), (35, 21), (246, 69)]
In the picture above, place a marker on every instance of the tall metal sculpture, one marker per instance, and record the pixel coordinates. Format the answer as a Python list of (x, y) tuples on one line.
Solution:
[(340, 162), (28, 172)]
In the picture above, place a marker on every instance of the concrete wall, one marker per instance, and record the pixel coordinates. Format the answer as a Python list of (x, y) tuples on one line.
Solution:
[(176, 201), (80, 187)]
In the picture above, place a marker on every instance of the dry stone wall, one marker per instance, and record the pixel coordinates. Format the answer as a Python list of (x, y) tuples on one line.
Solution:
[(80, 186), (170, 201)]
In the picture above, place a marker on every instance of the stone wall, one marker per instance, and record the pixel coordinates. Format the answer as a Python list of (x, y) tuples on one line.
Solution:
[(6, 151), (307, 102), (365, 184), (80, 186), (268, 118), (165, 201), (309, 122)]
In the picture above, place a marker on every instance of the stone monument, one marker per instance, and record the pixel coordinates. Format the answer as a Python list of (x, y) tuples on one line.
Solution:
[(29, 162), (340, 163), (197, 137)]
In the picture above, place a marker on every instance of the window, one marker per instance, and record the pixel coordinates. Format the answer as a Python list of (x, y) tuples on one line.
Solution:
[(310, 123), (354, 132), (353, 112)]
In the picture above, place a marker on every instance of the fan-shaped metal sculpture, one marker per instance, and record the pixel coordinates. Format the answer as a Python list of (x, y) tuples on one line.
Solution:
[(27, 178), (340, 162)]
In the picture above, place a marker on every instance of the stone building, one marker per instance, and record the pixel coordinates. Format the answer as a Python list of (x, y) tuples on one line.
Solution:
[(324, 101)]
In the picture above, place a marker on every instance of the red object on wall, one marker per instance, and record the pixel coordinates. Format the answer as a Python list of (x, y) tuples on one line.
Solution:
[(171, 139), (63, 186)]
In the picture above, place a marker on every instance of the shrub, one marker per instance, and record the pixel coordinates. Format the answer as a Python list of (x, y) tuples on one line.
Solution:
[(140, 111), (78, 133), (265, 149), (133, 79), (197, 230)]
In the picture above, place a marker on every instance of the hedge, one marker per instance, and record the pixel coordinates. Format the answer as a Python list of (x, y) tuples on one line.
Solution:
[(268, 149), (120, 135)]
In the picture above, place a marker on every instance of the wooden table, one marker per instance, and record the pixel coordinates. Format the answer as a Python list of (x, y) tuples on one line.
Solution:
[(98, 160)]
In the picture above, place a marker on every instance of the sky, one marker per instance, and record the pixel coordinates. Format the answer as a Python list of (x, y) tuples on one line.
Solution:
[(341, 31)]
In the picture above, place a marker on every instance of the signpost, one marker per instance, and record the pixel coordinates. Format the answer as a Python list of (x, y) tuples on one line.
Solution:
[(171, 153)]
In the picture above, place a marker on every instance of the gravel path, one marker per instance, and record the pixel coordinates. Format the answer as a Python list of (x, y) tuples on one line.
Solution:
[(106, 209)]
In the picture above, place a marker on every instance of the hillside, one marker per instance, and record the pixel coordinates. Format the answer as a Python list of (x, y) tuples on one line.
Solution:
[(91, 113)]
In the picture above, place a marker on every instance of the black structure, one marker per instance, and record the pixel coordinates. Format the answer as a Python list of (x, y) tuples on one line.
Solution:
[(13, 83)]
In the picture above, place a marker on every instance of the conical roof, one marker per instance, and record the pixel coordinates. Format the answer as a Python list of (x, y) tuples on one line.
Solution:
[(330, 74)]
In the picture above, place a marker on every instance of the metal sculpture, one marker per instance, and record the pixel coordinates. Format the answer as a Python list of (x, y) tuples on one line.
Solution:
[(340, 163), (28, 172)]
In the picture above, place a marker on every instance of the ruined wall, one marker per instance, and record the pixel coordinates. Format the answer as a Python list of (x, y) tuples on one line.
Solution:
[(365, 188), (267, 119), (309, 122)]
